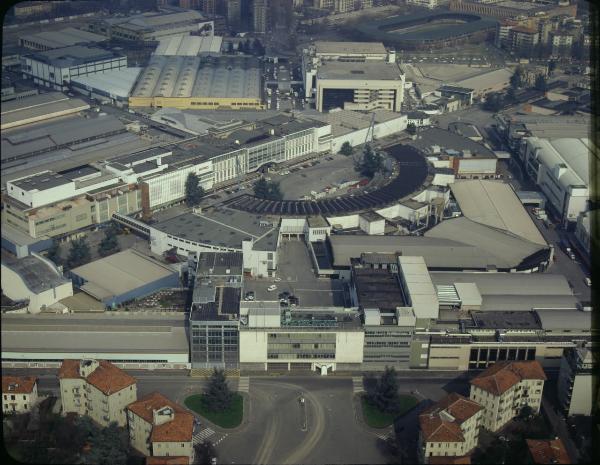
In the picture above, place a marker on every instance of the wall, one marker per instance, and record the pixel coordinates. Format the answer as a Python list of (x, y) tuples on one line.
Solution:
[(139, 433), (198, 103), (71, 395), (21, 402), (173, 449), (348, 346), (253, 345), (35, 198), (349, 221)]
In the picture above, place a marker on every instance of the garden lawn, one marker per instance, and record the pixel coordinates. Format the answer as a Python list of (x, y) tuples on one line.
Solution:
[(230, 418), (377, 419)]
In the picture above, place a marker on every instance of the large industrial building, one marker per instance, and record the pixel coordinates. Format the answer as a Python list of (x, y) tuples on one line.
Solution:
[(352, 76), (153, 26), (58, 39), (34, 279), (199, 83), (112, 87), (55, 68), (38, 108), (122, 277), (189, 46), (126, 340)]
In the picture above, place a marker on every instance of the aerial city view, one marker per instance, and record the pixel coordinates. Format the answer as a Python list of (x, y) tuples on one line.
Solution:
[(298, 232)]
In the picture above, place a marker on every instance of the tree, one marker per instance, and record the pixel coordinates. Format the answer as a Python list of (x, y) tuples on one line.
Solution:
[(193, 190), (385, 397), (79, 253), (205, 453), (541, 83), (371, 163), (217, 395), (516, 80), (54, 253), (493, 102), (346, 149), (269, 190), (411, 128), (108, 446), (109, 244)]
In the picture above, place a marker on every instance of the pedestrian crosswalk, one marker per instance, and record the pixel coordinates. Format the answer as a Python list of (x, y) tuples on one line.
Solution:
[(357, 385), (203, 435), (243, 384), (384, 436)]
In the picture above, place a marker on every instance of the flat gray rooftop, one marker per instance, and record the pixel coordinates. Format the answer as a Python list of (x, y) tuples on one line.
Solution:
[(220, 263), (42, 181), (378, 70), (449, 140), (73, 56), (37, 275), (63, 37), (506, 320)]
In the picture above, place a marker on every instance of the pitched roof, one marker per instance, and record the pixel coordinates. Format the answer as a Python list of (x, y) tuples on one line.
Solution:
[(442, 460), (437, 426), (179, 429), (500, 377), (107, 377), (548, 451), (18, 384), (179, 460)]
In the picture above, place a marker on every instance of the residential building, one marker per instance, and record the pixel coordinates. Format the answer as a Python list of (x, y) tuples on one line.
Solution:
[(522, 40), (505, 388), (449, 428), (575, 382), (343, 6), (547, 451), (54, 68), (561, 43), (98, 389), (36, 280), (260, 11), (431, 4), (158, 427), (19, 394), (234, 13)]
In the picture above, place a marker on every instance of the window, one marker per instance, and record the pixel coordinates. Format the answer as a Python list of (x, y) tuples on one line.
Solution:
[(24, 397), (12, 397)]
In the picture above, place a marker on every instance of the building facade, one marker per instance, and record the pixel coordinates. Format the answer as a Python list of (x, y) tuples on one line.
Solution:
[(54, 68), (505, 388), (449, 428), (575, 381), (97, 389), (19, 394), (158, 427)]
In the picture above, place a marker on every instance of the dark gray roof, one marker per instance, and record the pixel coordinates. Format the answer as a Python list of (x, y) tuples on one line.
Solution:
[(37, 274), (220, 262), (268, 242), (42, 181), (449, 140), (377, 288), (506, 320), (141, 155), (73, 56)]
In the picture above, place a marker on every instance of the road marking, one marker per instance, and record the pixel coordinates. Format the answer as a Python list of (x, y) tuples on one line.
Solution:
[(220, 439), (243, 384), (384, 436), (203, 435), (357, 385)]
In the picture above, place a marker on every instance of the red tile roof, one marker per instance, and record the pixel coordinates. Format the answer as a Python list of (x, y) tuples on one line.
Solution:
[(180, 460), (18, 384), (501, 376), (548, 451), (438, 428), (106, 377), (180, 429), (442, 460)]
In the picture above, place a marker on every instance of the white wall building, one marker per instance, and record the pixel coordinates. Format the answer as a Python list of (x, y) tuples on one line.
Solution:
[(505, 388), (19, 394), (54, 68), (97, 389), (575, 382), (560, 168), (36, 279)]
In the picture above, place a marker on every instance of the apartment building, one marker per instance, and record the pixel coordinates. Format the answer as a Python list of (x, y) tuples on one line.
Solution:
[(97, 389), (575, 382), (19, 394), (505, 388), (159, 427), (449, 428)]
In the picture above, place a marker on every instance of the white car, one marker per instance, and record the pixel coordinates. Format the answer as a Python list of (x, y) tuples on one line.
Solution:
[(588, 281), (277, 280), (271, 288)]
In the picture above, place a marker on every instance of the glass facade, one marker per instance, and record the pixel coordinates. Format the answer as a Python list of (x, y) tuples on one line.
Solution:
[(215, 345)]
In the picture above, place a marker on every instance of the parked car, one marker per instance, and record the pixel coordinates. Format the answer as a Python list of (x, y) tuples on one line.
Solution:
[(271, 288), (249, 296), (588, 282)]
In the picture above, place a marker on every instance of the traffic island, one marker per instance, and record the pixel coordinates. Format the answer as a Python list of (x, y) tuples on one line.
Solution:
[(375, 418), (228, 419)]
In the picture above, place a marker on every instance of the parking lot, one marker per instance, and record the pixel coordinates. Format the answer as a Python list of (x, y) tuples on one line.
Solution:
[(325, 172), (296, 272)]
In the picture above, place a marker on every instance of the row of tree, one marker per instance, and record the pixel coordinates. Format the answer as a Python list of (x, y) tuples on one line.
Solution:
[(369, 164)]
